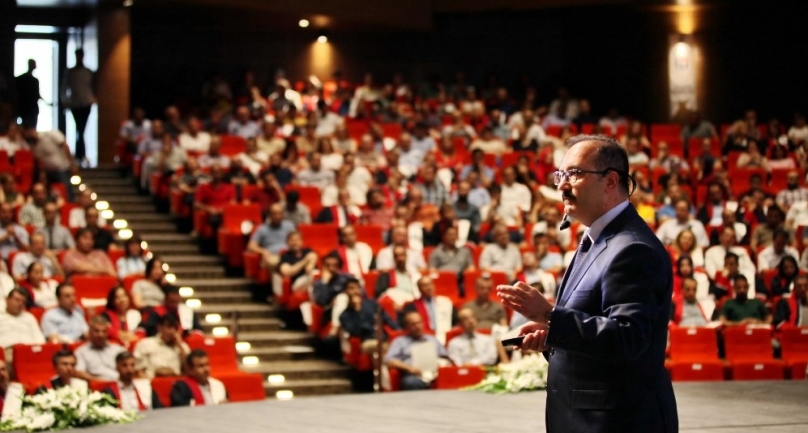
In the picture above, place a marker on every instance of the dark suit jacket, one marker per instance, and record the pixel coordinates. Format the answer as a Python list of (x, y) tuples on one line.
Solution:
[(155, 399), (181, 394), (608, 335)]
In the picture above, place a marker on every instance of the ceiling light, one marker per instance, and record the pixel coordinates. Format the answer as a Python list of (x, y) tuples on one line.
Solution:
[(303, 23)]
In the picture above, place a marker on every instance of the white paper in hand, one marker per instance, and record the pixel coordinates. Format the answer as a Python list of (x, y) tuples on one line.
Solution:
[(425, 358)]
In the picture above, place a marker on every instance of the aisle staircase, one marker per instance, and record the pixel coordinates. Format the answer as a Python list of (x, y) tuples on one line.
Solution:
[(226, 303)]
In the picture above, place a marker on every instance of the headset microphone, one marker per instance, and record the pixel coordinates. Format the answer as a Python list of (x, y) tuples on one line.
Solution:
[(565, 223)]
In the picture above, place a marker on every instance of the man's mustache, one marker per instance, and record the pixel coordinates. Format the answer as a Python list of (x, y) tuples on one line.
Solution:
[(567, 195)]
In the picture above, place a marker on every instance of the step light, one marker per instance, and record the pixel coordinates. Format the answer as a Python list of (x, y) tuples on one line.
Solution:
[(82, 187), (276, 379), (171, 278), (101, 205), (193, 303), (94, 197), (120, 224), (143, 244), (107, 214), (187, 292), (250, 360), (125, 234), (211, 318), (243, 346), (285, 394), (165, 267), (220, 331), (75, 180)]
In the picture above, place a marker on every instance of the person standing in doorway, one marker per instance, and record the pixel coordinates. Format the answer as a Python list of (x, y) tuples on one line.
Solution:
[(79, 96), (28, 96)]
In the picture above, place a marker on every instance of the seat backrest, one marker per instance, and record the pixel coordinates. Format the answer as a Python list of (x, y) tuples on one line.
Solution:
[(794, 343), (322, 238), (33, 364), (221, 353), (244, 387), (93, 286), (371, 234), (446, 284), (747, 344), (232, 145), (235, 214), (162, 387), (693, 344)]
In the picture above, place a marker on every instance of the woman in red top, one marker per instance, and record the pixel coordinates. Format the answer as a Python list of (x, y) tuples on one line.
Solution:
[(122, 317), (447, 155)]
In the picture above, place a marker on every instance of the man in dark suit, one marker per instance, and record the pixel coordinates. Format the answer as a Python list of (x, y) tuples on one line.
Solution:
[(605, 338), (28, 96)]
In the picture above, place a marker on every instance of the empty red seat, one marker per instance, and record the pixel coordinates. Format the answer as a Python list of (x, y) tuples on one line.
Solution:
[(33, 364), (232, 241), (454, 377), (660, 130), (694, 355), (749, 352), (221, 353), (162, 387), (242, 386), (794, 350), (92, 289), (371, 234), (322, 238), (232, 145)]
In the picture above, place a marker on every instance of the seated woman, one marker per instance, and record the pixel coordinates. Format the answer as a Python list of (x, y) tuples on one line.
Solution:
[(685, 245), (122, 317), (41, 290), (148, 292), (787, 272), (134, 260)]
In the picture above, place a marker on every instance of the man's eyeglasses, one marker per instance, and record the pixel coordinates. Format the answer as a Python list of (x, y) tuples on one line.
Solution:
[(572, 175)]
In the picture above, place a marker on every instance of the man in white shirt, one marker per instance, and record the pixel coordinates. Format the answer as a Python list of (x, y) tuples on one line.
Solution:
[(162, 354), (472, 347), (37, 253), (96, 358), (514, 195), (195, 139), (501, 255), (53, 155), (18, 326), (132, 393), (421, 138), (410, 157), (669, 230), (315, 175), (384, 258), (714, 256), (356, 256), (770, 257)]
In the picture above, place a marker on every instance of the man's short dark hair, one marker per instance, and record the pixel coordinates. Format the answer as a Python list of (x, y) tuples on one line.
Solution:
[(62, 353), (169, 320), (124, 356), (61, 287), (611, 156), (18, 291), (82, 231), (170, 289), (780, 233), (333, 256), (732, 256), (741, 277), (351, 281), (195, 354)]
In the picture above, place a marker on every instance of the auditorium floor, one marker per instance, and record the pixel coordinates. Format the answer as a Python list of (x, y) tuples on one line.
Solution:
[(726, 407)]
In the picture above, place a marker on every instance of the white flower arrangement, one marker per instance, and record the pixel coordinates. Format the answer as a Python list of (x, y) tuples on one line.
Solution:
[(67, 408), (526, 374)]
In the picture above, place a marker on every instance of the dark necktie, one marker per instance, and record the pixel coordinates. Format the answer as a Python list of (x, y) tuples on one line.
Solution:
[(50, 237), (584, 246)]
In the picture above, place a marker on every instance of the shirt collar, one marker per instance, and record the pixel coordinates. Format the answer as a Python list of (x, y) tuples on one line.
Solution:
[(597, 227)]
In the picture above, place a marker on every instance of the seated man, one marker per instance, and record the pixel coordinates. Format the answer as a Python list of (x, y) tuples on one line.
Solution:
[(357, 257), (793, 310), (37, 253), (102, 236), (270, 238), (359, 319), (75, 218), (770, 257), (32, 213), (172, 306), (13, 237), (399, 284), (198, 388), (743, 310), (315, 175), (384, 258), (298, 263), (437, 312), (64, 362), (532, 273), (11, 394), (342, 214), (472, 347), (18, 326), (65, 323), (86, 260), (96, 358), (57, 236), (487, 312), (501, 255), (132, 393), (211, 197), (687, 310), (448, 257), (162, 354), (399, 355)]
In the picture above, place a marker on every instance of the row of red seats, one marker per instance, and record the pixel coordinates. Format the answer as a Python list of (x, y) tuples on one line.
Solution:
[(694, 354), (22, 168), (32, 366)]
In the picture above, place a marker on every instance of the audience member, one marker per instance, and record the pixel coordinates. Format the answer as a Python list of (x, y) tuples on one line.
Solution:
[(714, 256), (76, 218), (297, 263), (57, 236), (162, 354), (66, 323), (96, 358), (270, 238), (359, 319), (669, 230), (211, 197), (41, 290), (195, 139), (687, 310), (743, 310), (198, 388), (399, 355), (315, 175), (294, 211), (13, 237), (18, 325), (532, 273), (132, 392), (172, 306), (787, 271), (242, 125), (8, 192), (102, 237), (39, 254), (399, 283), (357, 257), (472, 347), (437, 311), (342, 214), (148, 292), (771, 256), (53, 155), (793, 310), (501, 255), (134, 259), (399, 238), (122, 317), (763, 234), (85, 260), (33, 212), (448, 256), (793, 193), (64, 362), (165, 161), (487, 312)]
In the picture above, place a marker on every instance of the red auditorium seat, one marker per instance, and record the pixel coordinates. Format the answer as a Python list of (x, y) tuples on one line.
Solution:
[(24, 164), (129, 281), (221, 353), (662, 131), (694, 355), (749, 352), (33, 365), (454, 377), (309, 196), (794, 350), (371, 234), (232, 242), (243, 386), (232, 145), (92, 288), (370, 278), (322, 238), (510, 159), (253, 269), (162, 387), (355, 358)]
